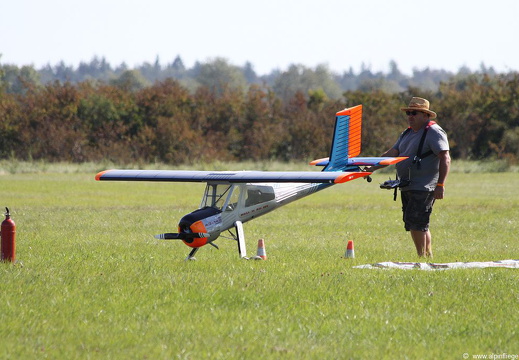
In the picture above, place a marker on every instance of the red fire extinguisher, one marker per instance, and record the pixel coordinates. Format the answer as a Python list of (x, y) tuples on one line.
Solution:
[(8, 238)]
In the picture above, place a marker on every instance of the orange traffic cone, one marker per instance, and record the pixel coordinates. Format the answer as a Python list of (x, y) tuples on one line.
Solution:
[(262, 254), (350, 252)]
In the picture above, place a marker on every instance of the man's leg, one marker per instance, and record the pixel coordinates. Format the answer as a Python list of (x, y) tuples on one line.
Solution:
[(422, 242), (419, 238), (417, 208), (428, 245)]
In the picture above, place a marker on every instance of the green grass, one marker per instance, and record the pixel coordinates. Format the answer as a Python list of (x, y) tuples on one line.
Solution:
[(92, 282)]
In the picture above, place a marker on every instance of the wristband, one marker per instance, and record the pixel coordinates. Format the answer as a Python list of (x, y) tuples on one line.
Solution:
[(440, 184)]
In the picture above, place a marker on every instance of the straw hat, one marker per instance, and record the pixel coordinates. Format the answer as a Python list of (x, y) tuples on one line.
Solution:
[(420, 104)]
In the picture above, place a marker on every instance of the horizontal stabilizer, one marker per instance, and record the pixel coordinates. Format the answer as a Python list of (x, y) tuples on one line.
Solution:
[(363, 161), (320, 162)]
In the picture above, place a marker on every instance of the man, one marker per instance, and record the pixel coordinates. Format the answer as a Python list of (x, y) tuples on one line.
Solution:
[(425, 170)]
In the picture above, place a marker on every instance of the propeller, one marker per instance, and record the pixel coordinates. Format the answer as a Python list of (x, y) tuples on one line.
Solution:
[(181, 236), (188, 237)]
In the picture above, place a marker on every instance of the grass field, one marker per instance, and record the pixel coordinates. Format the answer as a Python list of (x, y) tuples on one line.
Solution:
[(93, 283)]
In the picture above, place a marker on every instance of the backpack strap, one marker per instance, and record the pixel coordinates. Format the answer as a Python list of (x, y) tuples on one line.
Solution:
[(419, 156)]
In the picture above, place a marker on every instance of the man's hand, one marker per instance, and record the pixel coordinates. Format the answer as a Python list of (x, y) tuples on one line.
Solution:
[(439, 192)]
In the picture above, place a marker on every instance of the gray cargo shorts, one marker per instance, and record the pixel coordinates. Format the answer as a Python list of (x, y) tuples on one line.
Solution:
[(417, 208)]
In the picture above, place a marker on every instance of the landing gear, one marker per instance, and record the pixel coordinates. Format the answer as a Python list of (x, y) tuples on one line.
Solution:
[(240, 237), (191, 255)]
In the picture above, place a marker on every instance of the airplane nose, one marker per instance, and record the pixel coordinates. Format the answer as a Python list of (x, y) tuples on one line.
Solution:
[(197, 227), (193, 223)]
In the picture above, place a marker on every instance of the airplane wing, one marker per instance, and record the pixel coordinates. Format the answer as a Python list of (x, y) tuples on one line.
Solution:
[(362, 161), (230, 176)]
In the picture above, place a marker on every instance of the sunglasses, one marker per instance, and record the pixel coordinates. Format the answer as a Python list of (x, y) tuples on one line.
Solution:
[(414, 112)]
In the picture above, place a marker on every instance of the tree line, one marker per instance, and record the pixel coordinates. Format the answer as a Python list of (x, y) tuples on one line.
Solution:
[(218, 72), (169, 122)]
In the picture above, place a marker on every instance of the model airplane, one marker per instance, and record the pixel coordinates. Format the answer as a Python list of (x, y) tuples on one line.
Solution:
[(232, 198)]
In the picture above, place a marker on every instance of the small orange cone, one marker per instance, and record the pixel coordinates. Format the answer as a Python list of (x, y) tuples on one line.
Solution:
[(350, 252), (262, 254)]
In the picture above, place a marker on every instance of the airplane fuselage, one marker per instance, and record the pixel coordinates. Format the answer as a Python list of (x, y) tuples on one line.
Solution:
[(224, 204)]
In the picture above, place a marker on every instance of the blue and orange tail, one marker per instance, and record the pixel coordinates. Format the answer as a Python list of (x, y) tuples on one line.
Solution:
[(346, 140), (346, 145)]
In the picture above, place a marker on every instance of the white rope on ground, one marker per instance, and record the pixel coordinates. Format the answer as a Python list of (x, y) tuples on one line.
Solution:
[(441, 266)]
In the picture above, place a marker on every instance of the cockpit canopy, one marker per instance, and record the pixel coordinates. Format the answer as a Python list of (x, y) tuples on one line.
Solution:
[(229, 196)]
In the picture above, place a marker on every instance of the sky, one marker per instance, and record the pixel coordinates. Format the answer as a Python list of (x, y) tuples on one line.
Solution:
[(270, 34)]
